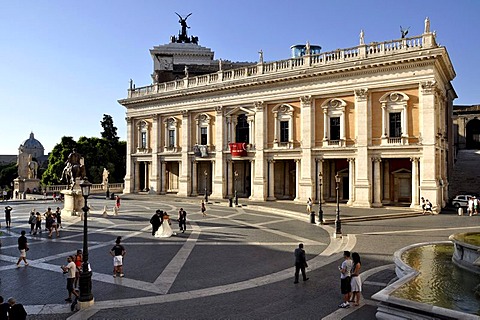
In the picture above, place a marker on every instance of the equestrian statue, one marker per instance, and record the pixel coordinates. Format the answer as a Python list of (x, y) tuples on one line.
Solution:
[(74, 169)]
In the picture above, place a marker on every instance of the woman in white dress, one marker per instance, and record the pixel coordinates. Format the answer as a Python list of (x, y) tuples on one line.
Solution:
[(165, 231), (356, 282)]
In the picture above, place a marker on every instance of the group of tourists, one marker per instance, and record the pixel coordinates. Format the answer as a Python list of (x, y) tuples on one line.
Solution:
[(473, 206), (53, 221)]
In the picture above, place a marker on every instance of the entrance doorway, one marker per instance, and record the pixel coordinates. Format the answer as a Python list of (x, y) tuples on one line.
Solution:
[(473, 134), (285, 179)]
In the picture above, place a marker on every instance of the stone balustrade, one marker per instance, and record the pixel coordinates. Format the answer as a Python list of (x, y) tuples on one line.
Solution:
[(374, 49), (96, 188)]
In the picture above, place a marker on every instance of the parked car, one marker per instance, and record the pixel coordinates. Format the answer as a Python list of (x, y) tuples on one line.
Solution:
[(461, 200)]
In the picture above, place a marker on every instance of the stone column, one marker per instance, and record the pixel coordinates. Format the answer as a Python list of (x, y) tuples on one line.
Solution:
[(218, 185), (386, 181), (163, 176), (252, 174), (184, 180), (377, 195), (194, 178), (230, 177), (260, 179), (154, 180), (351, 181), (297, 178), (129, 174), (146, 173), (363, 186), (428, 168), (307, 169), (136, 180), (415, 199), (271, 180)]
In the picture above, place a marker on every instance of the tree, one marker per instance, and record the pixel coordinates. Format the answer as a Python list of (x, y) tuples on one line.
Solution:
[(109, 132), (98, 153), (8, 172)]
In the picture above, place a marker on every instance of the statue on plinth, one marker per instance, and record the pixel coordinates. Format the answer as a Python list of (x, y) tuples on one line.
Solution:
[(32, 167), (74, 168), (105, 178)]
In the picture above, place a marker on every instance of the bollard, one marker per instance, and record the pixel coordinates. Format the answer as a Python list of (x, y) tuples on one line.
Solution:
[(460, 211), (230, 202), (312, 217)]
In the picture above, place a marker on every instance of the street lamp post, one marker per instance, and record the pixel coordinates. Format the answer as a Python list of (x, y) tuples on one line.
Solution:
[(206, 179), (86, 274), (236, 195), (320, 211), (338, 222)]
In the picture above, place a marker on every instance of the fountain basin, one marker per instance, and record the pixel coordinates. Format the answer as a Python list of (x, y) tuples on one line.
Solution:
[(467, 254), (430, 286)]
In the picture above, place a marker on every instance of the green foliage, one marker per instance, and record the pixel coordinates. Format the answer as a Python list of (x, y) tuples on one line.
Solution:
[(109, 132), (98, 153), (8, 172)]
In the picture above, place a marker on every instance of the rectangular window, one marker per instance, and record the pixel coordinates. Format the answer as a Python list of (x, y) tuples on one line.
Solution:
[(203, 136), (144, 140), (395, 119), (171, 138), (334, 128), (283, 131)]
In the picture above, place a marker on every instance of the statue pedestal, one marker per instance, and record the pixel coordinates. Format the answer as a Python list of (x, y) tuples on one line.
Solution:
[(22, 185), (73, 202)]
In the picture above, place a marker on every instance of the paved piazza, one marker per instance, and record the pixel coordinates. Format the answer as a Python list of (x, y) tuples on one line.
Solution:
[(236, 263)]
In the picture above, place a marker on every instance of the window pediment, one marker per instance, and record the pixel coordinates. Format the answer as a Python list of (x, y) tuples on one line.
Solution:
[(394, 97)]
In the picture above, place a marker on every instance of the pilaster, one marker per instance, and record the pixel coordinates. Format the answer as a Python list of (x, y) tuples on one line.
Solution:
[(218, 186), (259, 188), (377, 187), (363, 123), (307, 124), (154, 176), (129, 178), (184, 181)]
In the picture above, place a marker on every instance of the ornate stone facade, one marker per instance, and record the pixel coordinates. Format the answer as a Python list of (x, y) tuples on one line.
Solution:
[(361, 113)]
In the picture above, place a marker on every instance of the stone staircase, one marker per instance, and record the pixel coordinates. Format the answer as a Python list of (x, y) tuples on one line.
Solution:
[(465, 178)]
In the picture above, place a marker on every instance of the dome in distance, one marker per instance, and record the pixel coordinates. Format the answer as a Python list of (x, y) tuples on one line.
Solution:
[(32, 146)]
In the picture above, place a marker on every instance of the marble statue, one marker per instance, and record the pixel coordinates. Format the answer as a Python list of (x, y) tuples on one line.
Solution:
[(105, 177), (427, 25), (362, 37), (32, 168)]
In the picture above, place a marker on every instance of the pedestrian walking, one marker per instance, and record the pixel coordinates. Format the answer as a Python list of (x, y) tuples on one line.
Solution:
[(78, 259), (356, 282), (69, 270), (300, 263), (53, 225), (32, 220), (8, 216), (118, 252), (182, 220), (345, 279), (4, 307), (23, 248), (309, 205), (58, 213), (204, 209), (48, 221), (16, 311), (38, 223)]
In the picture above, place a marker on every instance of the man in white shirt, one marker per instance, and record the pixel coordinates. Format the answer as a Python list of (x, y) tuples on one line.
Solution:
[(70, 269), (345, 274)]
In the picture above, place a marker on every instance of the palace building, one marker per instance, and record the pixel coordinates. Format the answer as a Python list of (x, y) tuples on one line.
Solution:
[(374, 118)]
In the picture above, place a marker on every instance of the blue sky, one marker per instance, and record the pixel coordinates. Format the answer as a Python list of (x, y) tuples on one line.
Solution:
[(66, 63)]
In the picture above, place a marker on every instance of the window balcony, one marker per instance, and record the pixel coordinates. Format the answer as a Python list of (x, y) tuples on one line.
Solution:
[(398, 141)]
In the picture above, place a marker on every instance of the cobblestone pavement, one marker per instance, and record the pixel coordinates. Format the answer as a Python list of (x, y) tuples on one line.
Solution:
[(236, 263)]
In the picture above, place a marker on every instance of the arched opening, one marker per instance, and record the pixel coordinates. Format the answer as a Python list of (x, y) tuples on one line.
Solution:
[(473, 134)]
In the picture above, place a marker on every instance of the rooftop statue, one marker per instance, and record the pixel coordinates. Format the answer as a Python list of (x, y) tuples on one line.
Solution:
[(183, 23)]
